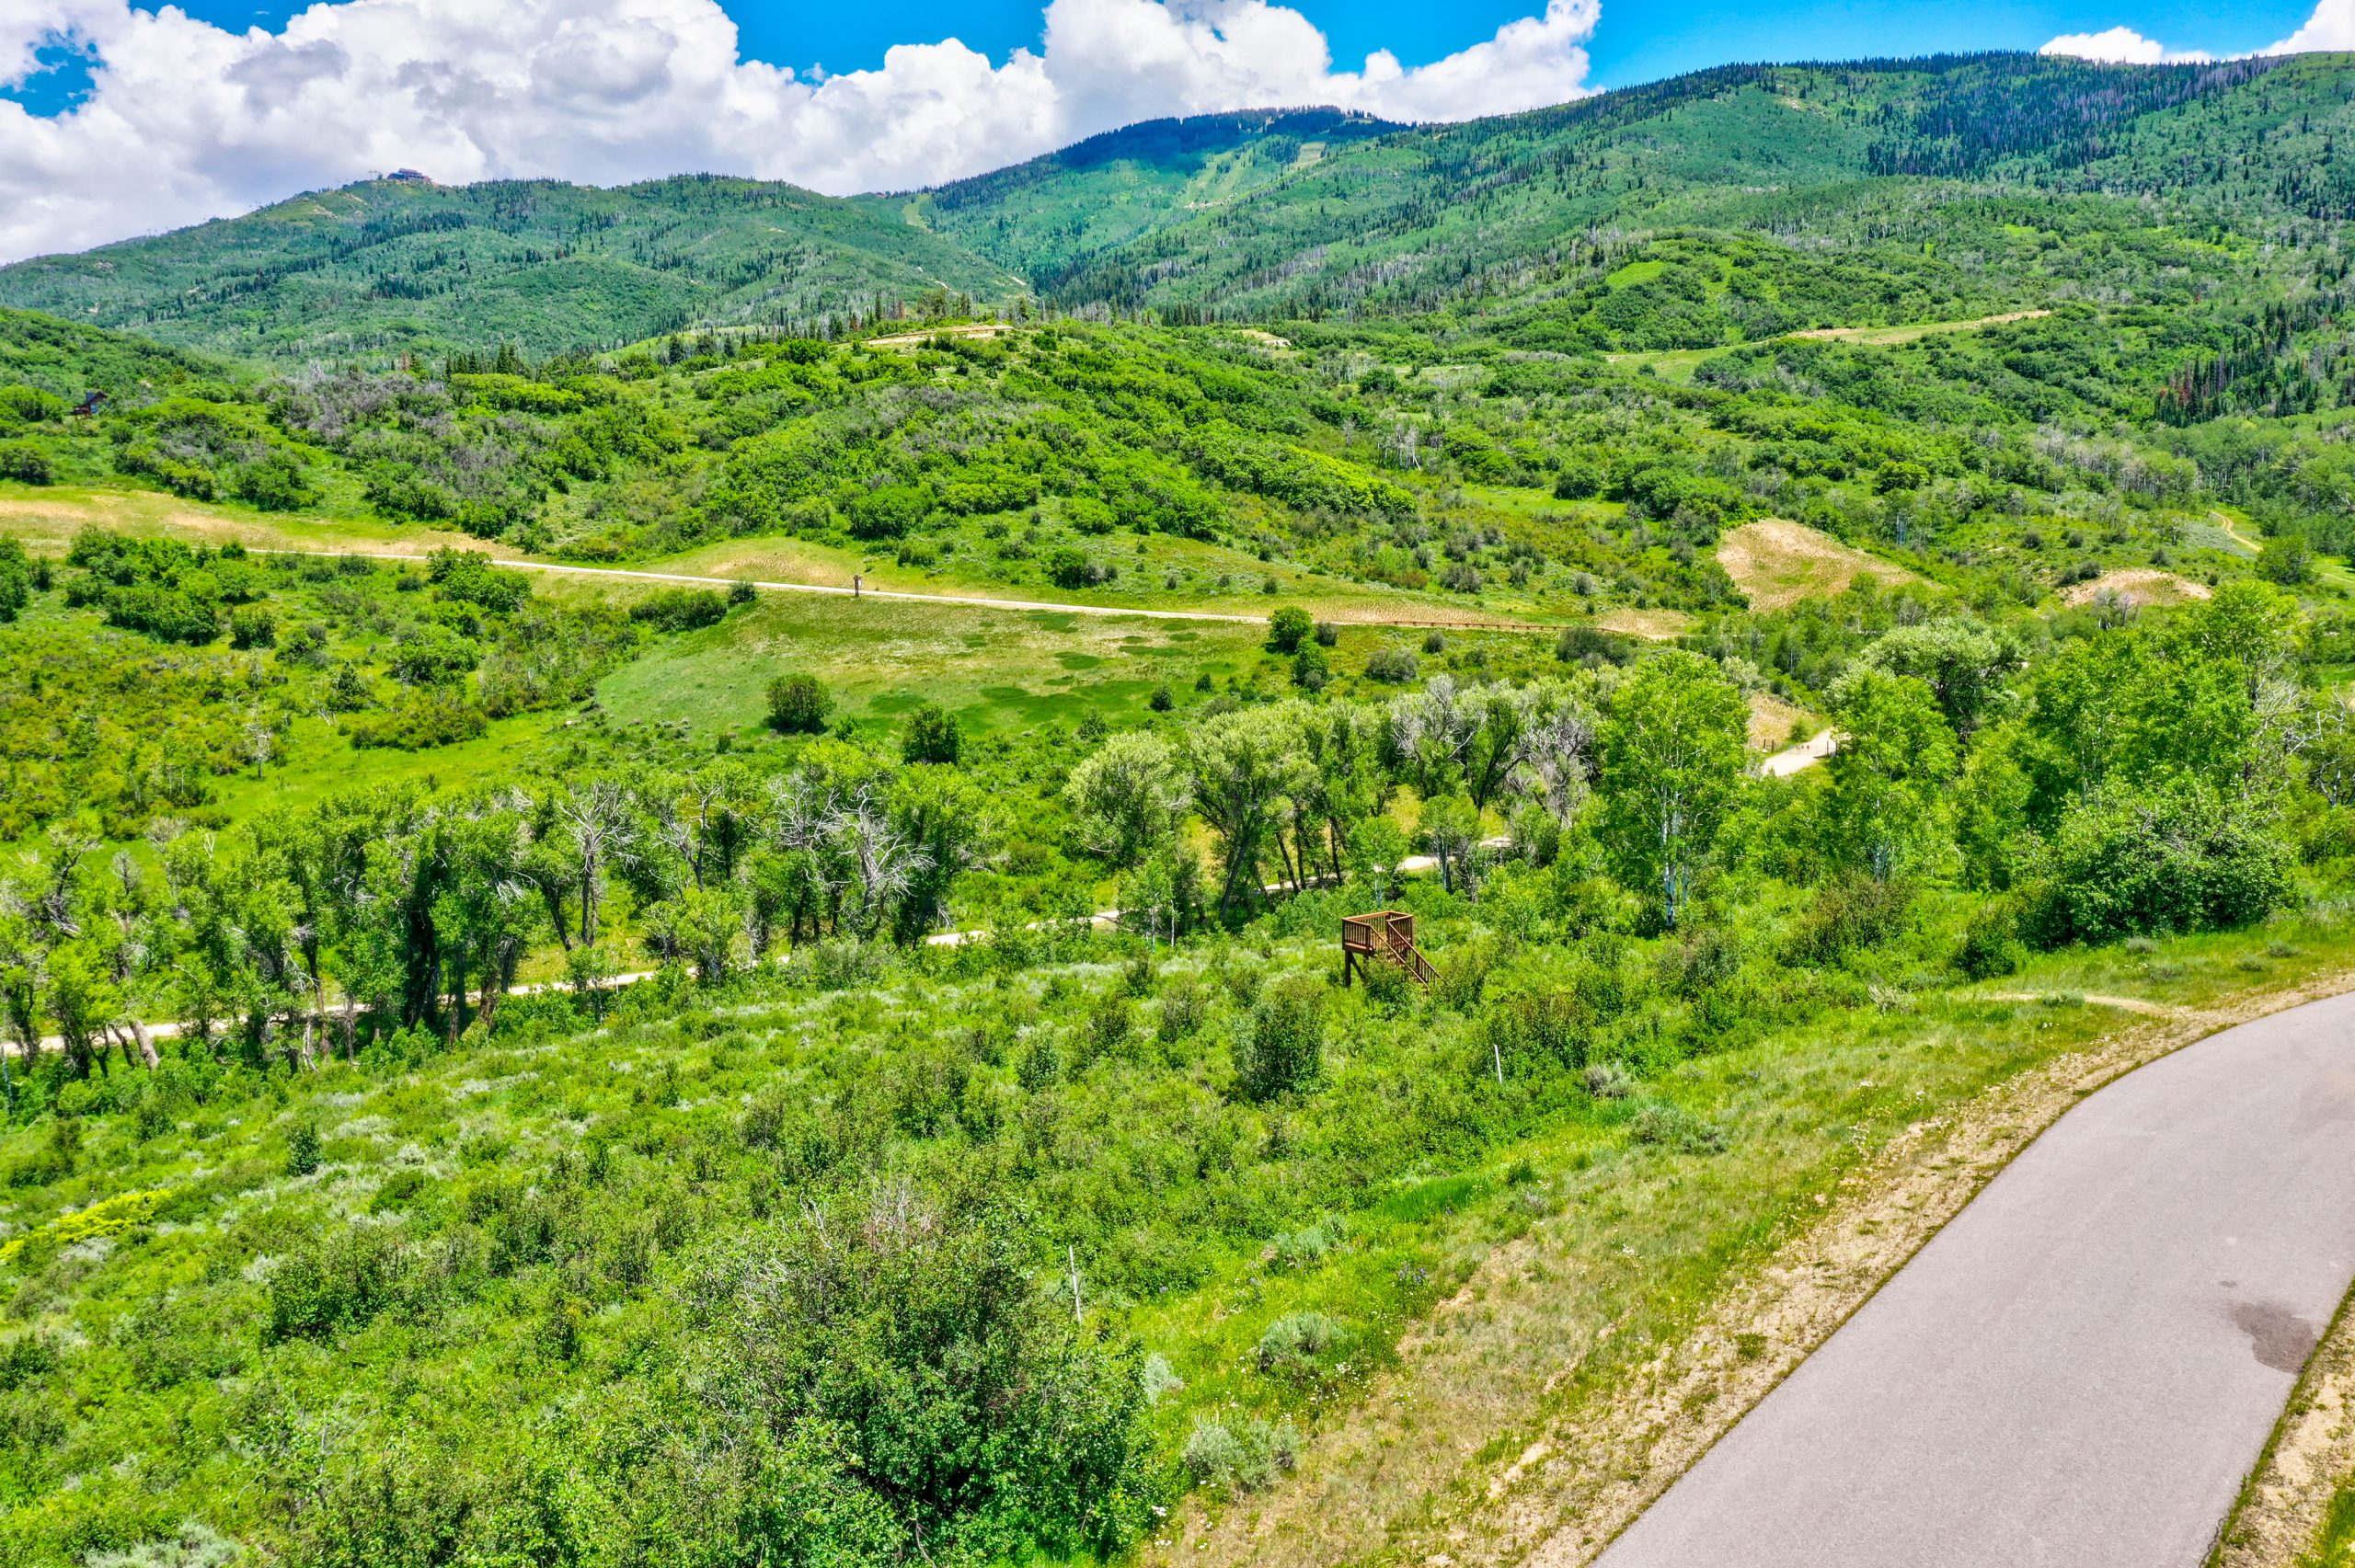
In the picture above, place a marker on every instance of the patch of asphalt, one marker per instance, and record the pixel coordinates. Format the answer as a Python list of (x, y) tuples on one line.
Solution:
[(2080, 1367)]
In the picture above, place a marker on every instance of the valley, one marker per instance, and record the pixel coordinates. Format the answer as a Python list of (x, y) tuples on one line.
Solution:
[(562, 752)]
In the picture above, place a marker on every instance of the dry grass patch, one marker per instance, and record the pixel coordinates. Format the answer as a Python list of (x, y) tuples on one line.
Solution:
[(978, 329), (46, 520), (1773, 722), (1886, 335), (2138, 585), (1654, 625), (1777, 564)]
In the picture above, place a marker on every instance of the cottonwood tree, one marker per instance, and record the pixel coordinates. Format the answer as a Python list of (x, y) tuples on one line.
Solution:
[(604, 834), (1557, 777), (1245, 766), (1450, 831), (1672, 761), (1345, 782), (1126, 798), (1963, 661), (1895, 760)]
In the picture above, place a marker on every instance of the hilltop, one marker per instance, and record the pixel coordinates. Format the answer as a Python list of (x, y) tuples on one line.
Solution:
[(1944, 176), (392, 266)]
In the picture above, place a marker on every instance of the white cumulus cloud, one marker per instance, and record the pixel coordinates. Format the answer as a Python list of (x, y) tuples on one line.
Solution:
[(185, 120), (2123, 46), (2332, 27)]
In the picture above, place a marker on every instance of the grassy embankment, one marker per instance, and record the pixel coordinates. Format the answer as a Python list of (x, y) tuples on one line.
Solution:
[(1578, 1265)]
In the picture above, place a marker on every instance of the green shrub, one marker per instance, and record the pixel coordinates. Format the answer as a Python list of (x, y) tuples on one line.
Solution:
[(274, 482), (1991, 944), (2180, 859), (420, 720), (25, 463), (1306, 1247), (141, 460), (1386, 984), (1288, 628), (1281, 1044), (1069, 566), (680, 609), (22, 405), (337, 1282), (1236, 1453), (1662, 1124), (933, 736), (469, 577), (1392, 664), (1608, 1080), (1848, 915), (1295, 1344), (302, 1150), (252, 626), (16, 580), (798, 704), (889, 511), (166, 614), (1184, 1005), (979, 1411)]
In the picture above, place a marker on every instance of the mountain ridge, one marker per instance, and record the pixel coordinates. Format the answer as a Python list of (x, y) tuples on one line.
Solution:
[(1259, 214)]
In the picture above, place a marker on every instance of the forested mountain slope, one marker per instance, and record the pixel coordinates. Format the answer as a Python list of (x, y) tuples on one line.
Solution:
[(1863, 159), (1942, 178), (384, 267), (1044, 215)]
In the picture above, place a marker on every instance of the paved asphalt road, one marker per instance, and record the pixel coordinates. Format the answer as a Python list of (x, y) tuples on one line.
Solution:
[(2081, 1368)]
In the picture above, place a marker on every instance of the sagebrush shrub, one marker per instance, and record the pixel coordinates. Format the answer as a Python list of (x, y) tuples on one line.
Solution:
[(1281, 1044), (1297, 1342)]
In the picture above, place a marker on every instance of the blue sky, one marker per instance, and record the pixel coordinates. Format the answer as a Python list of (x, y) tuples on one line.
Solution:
[(1640, 40)]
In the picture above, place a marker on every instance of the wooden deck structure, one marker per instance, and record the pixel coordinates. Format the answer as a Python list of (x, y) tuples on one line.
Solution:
[(1386, 936)]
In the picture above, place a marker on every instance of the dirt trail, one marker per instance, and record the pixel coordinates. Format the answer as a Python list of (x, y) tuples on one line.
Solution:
[(1926, 329)]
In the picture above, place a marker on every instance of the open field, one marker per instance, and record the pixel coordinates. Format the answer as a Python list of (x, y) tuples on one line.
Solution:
[(881, 658), (1777, 564), (2140, 586), (1678, 364)]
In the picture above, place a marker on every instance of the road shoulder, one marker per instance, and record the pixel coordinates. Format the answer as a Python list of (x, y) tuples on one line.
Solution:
[(2280, 1512)]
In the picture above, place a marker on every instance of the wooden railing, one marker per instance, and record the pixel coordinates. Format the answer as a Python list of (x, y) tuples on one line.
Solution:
[(1387, 936)]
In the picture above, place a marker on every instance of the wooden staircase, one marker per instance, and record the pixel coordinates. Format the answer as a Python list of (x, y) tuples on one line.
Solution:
[(1386, 936)]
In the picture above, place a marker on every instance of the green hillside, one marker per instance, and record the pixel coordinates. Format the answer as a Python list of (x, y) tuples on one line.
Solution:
[(67, 359), (1942, 173), (386, 267), (1872, 159), (1043, 216)]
